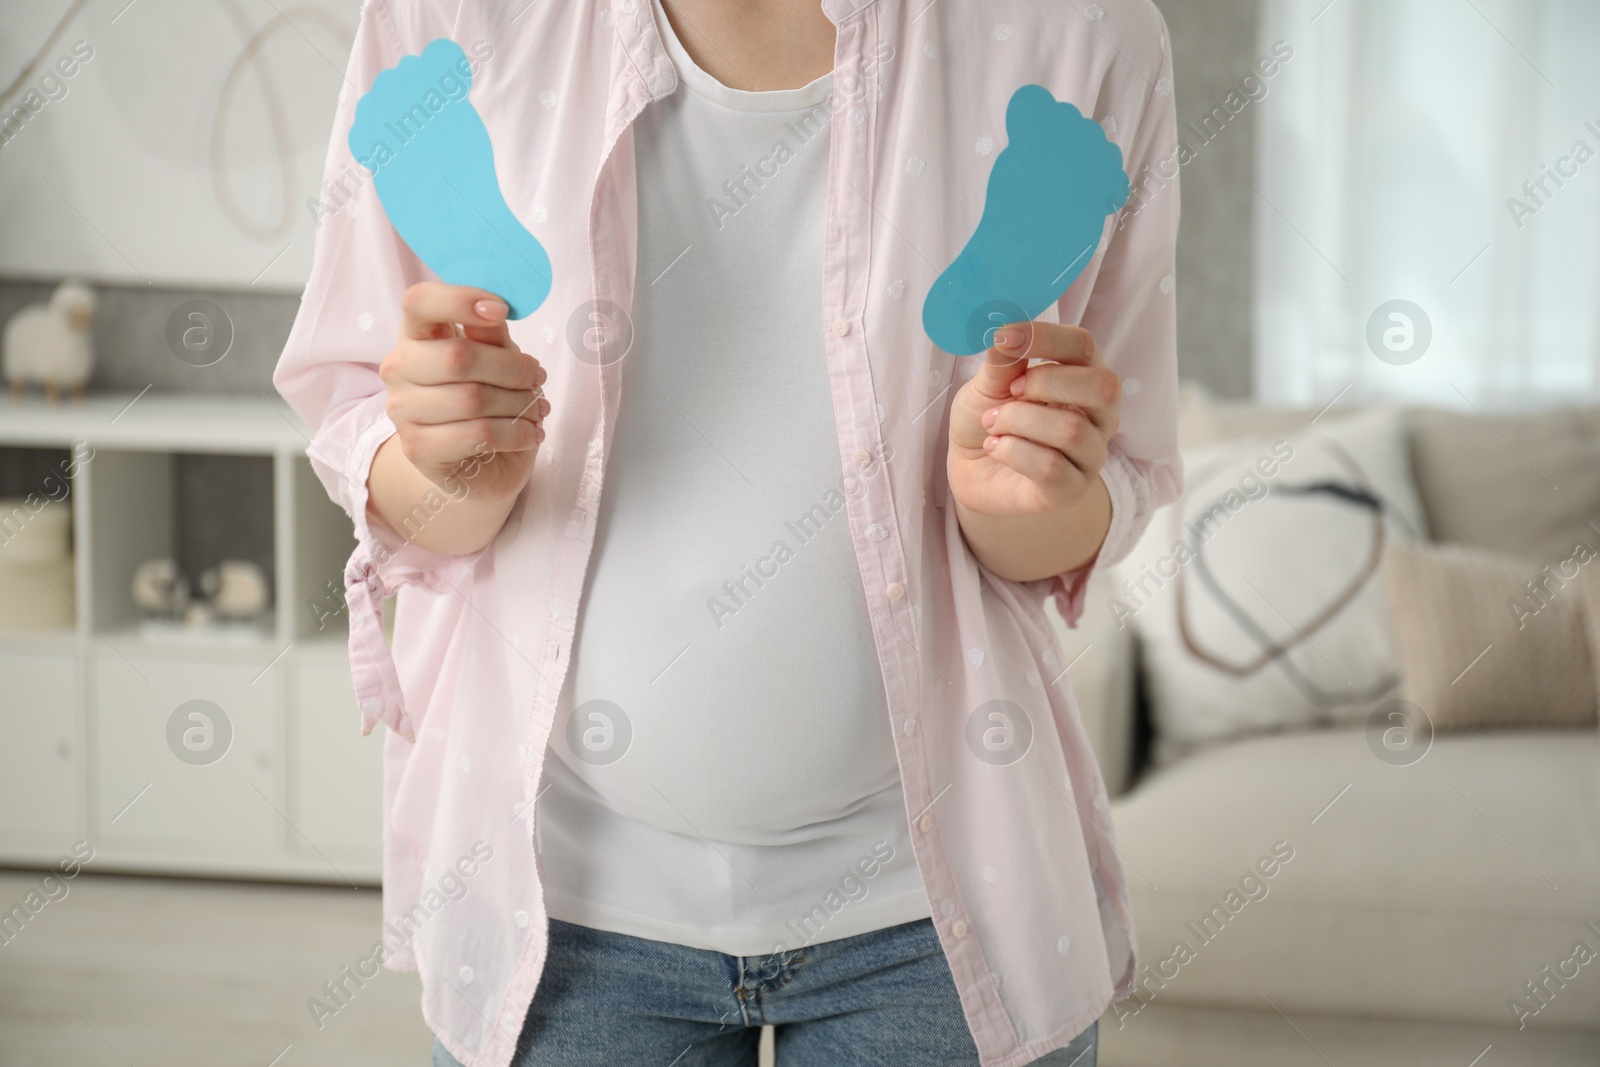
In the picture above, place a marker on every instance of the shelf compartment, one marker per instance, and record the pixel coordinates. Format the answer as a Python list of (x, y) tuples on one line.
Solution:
[(194, 508), (37, 571), (198, 794), (39, 762)]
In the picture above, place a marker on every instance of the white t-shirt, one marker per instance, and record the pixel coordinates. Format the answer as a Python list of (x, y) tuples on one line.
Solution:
[(746, 795)]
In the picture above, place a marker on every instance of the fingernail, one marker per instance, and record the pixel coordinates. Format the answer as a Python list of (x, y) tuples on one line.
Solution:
[(989, 443), (1018, 387), (490, 309), (989, 416), (1007, 338)]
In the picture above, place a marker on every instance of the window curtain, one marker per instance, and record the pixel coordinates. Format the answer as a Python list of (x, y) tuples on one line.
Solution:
[(1444, 154)]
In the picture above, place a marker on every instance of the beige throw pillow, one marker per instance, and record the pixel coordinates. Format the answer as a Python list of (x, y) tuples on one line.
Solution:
[(1489, 640), (1544, 467)]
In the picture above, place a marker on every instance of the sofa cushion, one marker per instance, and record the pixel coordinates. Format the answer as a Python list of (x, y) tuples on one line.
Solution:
[(1205, 419), (1431, 890), (1477, 649), (1524, 484), (1255, 596)]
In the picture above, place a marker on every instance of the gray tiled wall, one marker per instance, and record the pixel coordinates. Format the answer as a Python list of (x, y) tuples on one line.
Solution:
[(1213, 46), (130, 337)]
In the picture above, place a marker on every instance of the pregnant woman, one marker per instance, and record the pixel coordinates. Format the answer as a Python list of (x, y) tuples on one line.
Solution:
[(723, 388)]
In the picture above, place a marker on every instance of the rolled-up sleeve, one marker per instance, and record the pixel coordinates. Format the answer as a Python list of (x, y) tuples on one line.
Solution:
[(349, 318), (1132, 312)]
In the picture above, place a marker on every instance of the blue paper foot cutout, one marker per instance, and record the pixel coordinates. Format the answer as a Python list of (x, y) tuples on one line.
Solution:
[(433, 167), (1045, 209)]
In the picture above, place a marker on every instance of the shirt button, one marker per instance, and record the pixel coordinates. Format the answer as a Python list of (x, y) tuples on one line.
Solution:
[(466, 975), (841, 327), (910, 725), (925, 824), (521, 918), (959, 928), (877, 532), (863, 458), (896, 591)]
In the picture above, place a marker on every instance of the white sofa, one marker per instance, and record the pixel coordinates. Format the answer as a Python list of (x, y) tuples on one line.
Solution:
[(1425, 897)]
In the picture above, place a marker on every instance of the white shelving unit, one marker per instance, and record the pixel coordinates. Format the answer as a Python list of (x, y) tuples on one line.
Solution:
[(84, 711)]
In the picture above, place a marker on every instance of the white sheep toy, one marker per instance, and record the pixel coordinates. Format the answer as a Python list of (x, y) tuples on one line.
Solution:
[(159, 587), (237, 589), (50, 343)]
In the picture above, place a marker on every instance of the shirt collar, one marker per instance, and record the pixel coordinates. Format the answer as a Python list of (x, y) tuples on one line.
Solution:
[(642, 40)]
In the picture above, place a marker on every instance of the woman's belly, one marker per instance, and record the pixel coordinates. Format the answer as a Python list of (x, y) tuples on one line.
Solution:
[(724, 680)]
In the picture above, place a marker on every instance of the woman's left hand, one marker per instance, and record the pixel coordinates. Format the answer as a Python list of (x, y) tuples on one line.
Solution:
[(1032, 440)]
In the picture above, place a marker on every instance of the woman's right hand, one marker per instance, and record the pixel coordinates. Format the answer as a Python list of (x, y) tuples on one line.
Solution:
[(466, 403)]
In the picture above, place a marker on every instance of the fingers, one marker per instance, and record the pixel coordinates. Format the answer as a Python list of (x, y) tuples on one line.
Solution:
[(499, 336), (1002, 363), (447, 360), (429, 309), (1063, 430), (1057, 342), (454, 442), (1015, 344), (1058, 479), (462, 402), (1096, 391)]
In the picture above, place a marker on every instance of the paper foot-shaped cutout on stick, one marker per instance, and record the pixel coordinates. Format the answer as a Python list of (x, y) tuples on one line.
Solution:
[(433, 167), (1043, 215)]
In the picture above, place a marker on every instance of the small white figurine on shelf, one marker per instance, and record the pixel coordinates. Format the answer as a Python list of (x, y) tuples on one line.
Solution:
[(160, 589), (236, 589), (232, 602), (50, 343)]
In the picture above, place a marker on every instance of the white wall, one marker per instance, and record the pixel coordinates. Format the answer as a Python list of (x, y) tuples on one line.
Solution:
[(169, 123)]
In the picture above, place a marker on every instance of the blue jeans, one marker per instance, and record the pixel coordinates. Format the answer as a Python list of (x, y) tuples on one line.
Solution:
[(879, 999)]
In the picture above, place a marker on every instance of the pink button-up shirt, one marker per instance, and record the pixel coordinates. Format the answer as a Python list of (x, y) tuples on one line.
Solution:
[(1015, 846)]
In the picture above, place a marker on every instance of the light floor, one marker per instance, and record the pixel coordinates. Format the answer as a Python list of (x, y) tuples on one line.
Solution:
[(155, 972)]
